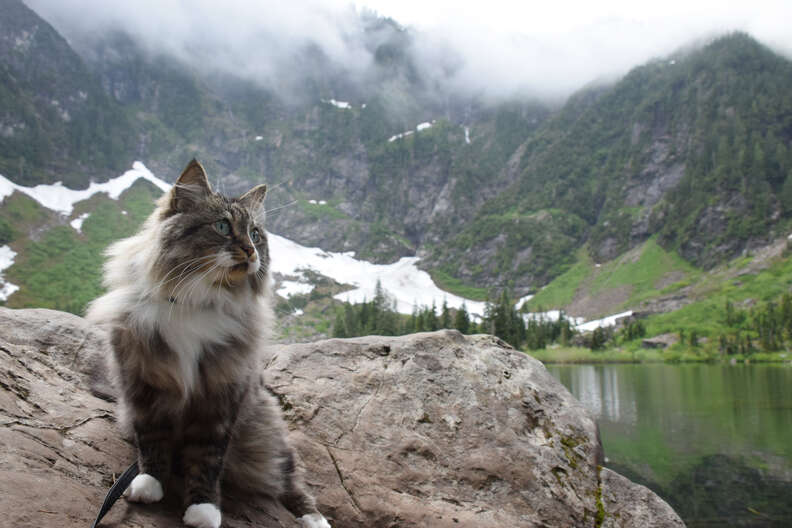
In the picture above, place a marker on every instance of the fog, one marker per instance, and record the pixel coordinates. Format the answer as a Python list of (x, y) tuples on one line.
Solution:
[(495, 49)]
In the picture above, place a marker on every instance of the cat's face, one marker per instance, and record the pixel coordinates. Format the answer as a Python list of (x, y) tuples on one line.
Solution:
[(211, 241)]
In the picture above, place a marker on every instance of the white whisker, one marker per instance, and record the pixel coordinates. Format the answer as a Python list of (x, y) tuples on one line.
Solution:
[(197, 281), (183, 265), (268, 211)]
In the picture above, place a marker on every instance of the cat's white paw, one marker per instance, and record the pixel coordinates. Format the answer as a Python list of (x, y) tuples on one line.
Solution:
[(314, 520), (144, 488), (205, 515)]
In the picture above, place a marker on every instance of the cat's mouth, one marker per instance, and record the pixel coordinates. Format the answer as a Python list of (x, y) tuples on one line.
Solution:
[(245, 267)]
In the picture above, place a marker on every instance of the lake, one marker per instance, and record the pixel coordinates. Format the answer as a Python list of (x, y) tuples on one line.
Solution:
[(715, 441)]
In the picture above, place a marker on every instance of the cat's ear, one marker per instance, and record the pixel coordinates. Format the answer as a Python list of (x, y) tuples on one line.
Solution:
[(191, 188), (254, 199)]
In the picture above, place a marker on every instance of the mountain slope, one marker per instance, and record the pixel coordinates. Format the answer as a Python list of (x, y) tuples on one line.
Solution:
[(54, 117), (693, 148)]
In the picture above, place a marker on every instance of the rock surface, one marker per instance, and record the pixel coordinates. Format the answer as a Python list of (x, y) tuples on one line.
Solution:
[(427, 430), (660, 341)]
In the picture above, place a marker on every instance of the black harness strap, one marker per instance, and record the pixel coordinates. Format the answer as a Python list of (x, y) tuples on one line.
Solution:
[(118, 488)]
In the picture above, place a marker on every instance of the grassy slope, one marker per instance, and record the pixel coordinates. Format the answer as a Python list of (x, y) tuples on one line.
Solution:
[(56, 266), (643, 271), (734, 282), (560, 292), (646, 273)]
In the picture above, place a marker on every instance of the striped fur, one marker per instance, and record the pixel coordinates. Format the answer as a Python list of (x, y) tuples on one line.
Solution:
[(188, 308)]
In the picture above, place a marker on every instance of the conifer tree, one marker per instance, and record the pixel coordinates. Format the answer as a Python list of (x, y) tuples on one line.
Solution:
[(445, 316), (462, 320), (432, 322)]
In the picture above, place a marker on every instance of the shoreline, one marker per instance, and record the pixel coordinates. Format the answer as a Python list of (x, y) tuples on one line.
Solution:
[(584, 356)]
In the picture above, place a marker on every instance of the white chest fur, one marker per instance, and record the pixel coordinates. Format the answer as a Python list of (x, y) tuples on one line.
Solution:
[(189, 331)]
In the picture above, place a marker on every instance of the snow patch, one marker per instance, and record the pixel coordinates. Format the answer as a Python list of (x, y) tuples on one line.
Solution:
[(551, 316), (289, 288), (78, 222), (338, 104), (418, 128), (399, 136), (604, 322), (6, 261), (578, 323), (522, 300), (409, 286), (62, 199)]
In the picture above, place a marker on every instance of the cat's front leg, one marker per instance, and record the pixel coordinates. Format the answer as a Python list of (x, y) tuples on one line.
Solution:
[(206, 438), (154, 461)]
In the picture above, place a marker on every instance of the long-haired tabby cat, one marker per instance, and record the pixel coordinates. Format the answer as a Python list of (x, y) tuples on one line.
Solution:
[(188, 307)]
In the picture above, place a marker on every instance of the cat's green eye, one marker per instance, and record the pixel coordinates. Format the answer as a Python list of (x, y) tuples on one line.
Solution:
[(255, 236), (223, 227)]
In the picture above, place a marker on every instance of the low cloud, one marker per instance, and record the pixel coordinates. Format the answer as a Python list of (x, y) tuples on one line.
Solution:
[(539, 51)]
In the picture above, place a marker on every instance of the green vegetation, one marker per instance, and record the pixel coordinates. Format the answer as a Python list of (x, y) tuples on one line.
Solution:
[(61, 120), (379, 317), (720, 117), (714, 290), (561, 290), (6, 232), (453, 285), (642, 274), (61, 269), (760, 334), (319, 212), (578, 354)]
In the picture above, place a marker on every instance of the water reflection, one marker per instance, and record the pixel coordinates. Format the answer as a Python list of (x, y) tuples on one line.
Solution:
[(679, 427), (604, 393)]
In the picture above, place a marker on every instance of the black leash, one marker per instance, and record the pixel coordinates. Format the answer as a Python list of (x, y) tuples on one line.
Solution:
[(118, 488)]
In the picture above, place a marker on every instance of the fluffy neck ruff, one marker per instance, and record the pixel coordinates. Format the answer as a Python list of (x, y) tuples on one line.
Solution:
[(137, 283)]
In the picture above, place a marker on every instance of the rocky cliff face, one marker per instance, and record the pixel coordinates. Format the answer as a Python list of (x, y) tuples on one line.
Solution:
[(424, 430), (54, 117)]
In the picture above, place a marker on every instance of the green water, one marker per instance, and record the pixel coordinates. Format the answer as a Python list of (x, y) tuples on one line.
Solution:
[(715, 441)]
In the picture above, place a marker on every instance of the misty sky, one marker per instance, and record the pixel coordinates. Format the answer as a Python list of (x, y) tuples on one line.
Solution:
[(547, 48)]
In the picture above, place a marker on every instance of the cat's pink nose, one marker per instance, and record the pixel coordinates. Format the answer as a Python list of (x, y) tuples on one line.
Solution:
[(249, 250)]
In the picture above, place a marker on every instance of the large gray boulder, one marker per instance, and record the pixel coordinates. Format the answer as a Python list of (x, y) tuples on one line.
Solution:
[(427, 430)]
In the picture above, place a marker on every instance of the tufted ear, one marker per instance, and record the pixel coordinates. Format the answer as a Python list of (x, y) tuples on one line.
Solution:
[(191, 187), (254, 199)]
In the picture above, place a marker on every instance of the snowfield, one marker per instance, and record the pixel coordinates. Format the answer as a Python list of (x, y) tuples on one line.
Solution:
[(409, 286), (62, 199)]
